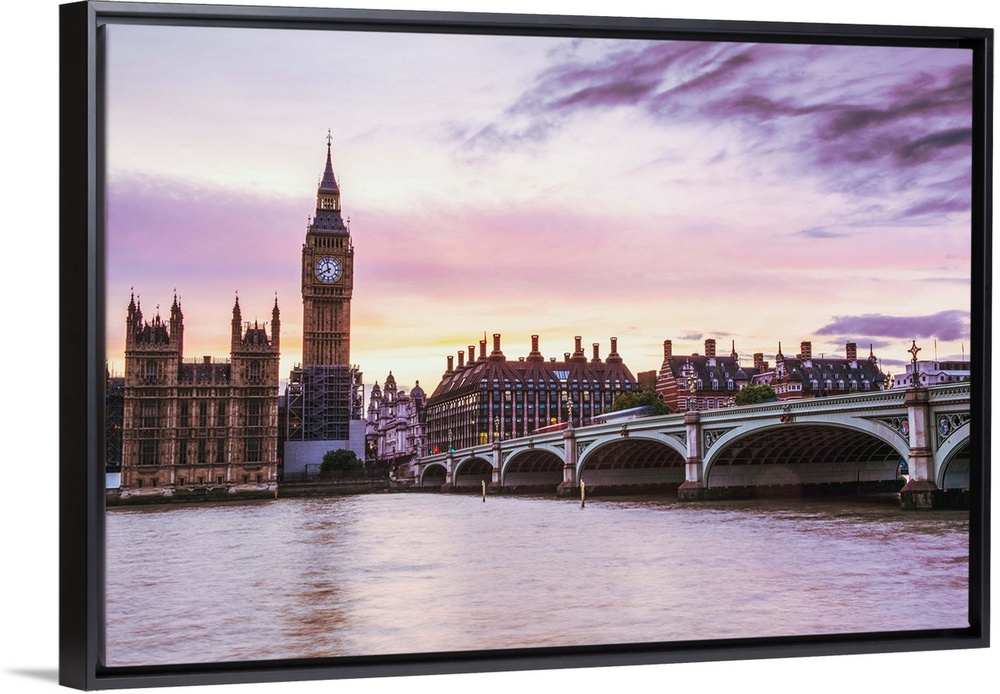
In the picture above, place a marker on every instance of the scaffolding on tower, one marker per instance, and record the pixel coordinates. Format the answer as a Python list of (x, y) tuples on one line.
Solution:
[(321, 401)]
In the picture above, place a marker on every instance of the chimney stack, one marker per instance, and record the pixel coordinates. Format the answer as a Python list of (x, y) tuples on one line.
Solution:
[(710, 348), (852, 351), (758, 361), (614, 357), (496, 354), (461, 359), (451, 364), (482, 349), (597, 352), (806, 349), (535, 355), (668, 349)]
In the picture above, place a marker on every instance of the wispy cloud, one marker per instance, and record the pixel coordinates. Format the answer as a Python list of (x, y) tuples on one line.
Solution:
[(938, 205), (820, 233), (945, 325), (868, 137)]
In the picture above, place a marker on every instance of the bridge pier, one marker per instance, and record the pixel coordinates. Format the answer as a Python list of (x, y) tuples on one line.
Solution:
[(693, 488), (497, 461), (921, 491), (570, 484), (449, 471)]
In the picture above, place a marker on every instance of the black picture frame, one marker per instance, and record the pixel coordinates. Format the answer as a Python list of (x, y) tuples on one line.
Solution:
[(82, 356)]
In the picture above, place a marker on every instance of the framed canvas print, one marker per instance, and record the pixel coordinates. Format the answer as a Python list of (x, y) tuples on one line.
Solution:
[(408, 342)]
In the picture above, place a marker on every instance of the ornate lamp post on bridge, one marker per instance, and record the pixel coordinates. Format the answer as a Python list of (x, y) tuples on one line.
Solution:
[(692, 380), (887, 377), (913, 361)]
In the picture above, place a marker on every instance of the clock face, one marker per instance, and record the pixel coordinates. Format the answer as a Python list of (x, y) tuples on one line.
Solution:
[(328, 269)]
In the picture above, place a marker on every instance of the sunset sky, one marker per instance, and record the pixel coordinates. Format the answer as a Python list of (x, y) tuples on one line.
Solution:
[(552, 186)]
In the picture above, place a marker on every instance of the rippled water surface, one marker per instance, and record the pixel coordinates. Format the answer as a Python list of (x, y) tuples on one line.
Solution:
[(407, 573)]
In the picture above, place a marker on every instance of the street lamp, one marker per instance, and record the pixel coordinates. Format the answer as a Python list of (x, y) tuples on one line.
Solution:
[(569, 410), (913, 361), (887, 378), (692, 381)]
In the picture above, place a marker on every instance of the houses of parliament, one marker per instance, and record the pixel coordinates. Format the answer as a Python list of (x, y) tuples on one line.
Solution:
[(210, 427)]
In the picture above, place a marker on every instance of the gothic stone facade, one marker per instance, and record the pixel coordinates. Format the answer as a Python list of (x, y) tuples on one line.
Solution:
[(200, 427)]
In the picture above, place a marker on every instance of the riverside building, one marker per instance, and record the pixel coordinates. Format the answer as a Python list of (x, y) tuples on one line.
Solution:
[(396, 428), (490, 398), (934, 372), (200, 427), (710, 381)]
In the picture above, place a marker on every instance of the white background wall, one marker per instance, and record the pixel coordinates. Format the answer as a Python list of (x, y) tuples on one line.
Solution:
[(29, 608)]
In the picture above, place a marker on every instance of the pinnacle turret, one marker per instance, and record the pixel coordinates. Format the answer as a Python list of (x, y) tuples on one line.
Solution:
[(329, 181), (328, 219)]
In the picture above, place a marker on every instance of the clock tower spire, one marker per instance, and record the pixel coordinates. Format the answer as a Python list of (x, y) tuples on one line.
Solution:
[(325, 394), (327, 277)]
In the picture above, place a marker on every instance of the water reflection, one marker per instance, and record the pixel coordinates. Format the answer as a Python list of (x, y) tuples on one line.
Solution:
[(405, 573)]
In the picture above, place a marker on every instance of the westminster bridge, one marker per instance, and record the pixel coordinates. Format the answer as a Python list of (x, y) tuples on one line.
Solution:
[(858, 441)]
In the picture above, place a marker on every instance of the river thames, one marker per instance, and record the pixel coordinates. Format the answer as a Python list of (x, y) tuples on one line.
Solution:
[(411, 573)]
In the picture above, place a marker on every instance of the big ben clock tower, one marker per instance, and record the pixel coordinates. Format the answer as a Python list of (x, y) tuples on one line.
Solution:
[(327, 278), (324, 395)]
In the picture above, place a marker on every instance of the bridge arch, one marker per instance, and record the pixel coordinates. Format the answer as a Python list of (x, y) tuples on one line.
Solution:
[(434, 475), (954, 458), (539, 467), (473, 471), (853, 451), (637, 460)]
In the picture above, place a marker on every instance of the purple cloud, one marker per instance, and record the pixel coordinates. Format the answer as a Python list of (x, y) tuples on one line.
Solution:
[(900, 133), (936, 206), (820, 233), (624, 76), (609, 94), (947, 280), (925, 148), (945, 325)]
